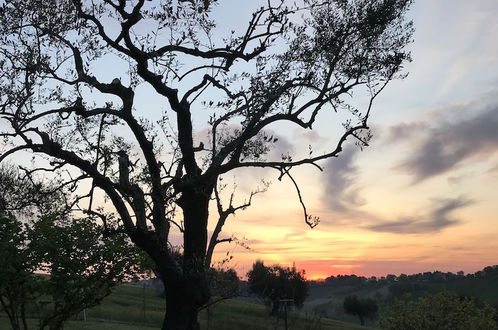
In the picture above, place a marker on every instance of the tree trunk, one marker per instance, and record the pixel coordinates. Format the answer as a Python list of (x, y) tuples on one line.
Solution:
[(195, 217), (186, 294), (362, 320), (23, 317), (185, 280), (183, 300), (185, 291), (275, 308), (181, 314)]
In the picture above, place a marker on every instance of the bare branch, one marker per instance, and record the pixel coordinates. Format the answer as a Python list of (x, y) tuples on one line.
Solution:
[(310, 220)]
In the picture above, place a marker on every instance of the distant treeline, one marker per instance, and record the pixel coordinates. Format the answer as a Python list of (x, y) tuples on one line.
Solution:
[(415, 284), (399, 285), (433, 277)]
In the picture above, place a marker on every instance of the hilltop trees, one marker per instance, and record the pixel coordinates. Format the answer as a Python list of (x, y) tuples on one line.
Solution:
[(83, 85)]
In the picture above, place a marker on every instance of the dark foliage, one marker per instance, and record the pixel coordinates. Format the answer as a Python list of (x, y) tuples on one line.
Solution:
[(276, 283), (223, 283), (54, 266), (444, 310), (361, 307), (399, 285)]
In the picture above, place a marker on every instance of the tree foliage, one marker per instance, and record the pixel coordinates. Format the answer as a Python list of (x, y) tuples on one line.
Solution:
[(275, 283), (16, 275), (361, 307), (443, 310), (74, 76), (55, 266), (223, 283)]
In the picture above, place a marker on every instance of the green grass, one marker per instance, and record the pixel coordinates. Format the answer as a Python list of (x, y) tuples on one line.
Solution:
[(124, 310), (130, 304), (233, 314)]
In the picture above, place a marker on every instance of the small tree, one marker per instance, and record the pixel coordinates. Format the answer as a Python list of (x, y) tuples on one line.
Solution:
[(83, 266), (275, 283), (16, 267), (223, 283), (363, 308), (443, 310), (78, 267), (59, 264)]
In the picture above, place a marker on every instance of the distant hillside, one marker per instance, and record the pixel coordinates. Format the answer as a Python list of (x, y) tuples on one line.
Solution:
[(326, 298)]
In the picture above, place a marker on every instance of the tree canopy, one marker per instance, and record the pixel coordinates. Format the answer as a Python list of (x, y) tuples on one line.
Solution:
[(275, 283), (361, 307), (54, 266), (107, 94)]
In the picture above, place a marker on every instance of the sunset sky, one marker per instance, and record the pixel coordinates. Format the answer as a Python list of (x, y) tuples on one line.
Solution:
[(423, 196)]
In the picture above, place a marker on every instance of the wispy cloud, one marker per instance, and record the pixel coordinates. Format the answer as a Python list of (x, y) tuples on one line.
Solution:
[(405, 131), (437, 219), (296, 235), (341, 194), (450, 143), (493, 169)]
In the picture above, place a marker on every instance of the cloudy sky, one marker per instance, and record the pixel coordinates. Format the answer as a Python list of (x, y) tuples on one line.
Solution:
[(423, 196)]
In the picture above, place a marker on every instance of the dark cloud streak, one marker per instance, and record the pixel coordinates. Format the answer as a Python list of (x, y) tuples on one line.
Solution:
[(451, 143), (436, 220), (341, 192), (405, 131)]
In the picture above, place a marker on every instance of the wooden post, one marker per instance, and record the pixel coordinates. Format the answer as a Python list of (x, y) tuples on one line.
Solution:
[(143, 295), (285, 302)]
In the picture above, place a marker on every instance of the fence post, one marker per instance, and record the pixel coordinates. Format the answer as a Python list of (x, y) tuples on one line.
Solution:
[(285, 302)]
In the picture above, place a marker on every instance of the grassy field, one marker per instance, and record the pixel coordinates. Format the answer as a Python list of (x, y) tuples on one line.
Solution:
[(132, 307)]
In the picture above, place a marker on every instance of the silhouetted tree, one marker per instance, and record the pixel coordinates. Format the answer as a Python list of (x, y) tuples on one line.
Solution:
[(352, 280), (223, 283), (490, 270), (275, 283), (363, 308), (72, 73)]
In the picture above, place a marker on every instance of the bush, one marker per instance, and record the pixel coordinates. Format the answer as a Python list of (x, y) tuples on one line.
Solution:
[(444, 310)]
